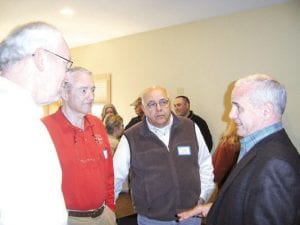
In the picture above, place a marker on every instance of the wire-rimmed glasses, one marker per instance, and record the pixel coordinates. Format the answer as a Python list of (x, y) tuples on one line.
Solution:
[(69, 62)]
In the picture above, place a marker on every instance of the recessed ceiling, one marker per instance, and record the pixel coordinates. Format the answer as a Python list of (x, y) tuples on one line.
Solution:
[(98, 20)]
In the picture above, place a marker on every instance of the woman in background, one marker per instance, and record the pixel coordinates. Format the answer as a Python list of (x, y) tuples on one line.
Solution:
[(226, 154), (108, 109), (114, 128)]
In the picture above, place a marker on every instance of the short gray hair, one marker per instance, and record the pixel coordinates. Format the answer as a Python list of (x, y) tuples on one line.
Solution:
[(24, 40), (68, 81), (78, 69), (265, 89)]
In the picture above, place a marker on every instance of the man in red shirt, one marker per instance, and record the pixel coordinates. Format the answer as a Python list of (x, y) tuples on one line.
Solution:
[(84, 153)]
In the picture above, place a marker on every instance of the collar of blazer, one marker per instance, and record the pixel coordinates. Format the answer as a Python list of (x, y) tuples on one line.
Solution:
[(238, 168)]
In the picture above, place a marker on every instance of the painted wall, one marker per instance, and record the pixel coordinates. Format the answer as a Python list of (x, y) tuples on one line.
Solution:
[(202, 59)]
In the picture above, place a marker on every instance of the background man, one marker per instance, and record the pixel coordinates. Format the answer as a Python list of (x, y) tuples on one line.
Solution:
[(33, 62), (84, 152), (170, 165), (264, 187), (139, 112), (182, 108)]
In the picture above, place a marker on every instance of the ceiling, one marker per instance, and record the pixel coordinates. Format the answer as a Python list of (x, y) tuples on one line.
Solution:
[(99, 20)]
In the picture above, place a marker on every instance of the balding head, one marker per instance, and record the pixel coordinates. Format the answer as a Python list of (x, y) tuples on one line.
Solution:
[(35, 56), (156, 106)]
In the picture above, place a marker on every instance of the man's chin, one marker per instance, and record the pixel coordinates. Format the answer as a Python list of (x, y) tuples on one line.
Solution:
[(240, 132), (87, 110)]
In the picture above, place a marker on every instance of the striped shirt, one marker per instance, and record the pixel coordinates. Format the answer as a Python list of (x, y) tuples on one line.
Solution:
[(248, 142)]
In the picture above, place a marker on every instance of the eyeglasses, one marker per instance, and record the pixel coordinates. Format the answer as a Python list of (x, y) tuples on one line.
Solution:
[(69, 62), (162, 103)]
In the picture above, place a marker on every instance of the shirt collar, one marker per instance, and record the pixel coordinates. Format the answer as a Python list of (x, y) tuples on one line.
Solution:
[(67, 125), (163, 130), (248, 142)]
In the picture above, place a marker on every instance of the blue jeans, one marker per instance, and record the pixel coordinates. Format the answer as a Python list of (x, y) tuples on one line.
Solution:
[(142, 220)]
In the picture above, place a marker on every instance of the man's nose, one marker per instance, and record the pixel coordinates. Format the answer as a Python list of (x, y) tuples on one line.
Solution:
[(91, 94)]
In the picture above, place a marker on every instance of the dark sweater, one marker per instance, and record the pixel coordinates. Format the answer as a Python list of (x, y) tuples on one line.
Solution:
[(203, 128)]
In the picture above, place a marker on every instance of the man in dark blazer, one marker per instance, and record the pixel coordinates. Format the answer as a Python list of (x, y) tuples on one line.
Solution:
[(264, 187)]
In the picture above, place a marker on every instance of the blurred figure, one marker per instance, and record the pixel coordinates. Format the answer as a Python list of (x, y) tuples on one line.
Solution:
[(226, 154), (182, 108), (114, 127), (84, 152), (108, 109), (138, 108), (170, 165), (264, 186), (33, 62)]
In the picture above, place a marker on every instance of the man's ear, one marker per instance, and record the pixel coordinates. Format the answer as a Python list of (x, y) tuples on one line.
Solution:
[(268, 110), (39, 58), (63, 93)]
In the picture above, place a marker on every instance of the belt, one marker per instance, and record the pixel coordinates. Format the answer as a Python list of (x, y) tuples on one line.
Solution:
[(90, 213)]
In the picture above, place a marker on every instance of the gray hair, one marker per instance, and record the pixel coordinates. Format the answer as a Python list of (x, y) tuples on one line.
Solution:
[(265, 89), (71, 73), (24, 40), (78, 69)]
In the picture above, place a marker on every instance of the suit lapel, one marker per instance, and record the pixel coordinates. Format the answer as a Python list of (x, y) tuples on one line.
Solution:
[(238, 169)]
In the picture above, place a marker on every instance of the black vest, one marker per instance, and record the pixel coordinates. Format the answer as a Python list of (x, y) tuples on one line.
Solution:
[(164, 181)]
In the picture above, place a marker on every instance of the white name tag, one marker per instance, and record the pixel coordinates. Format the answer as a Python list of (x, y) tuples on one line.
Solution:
[(105, 153), (184, 150)]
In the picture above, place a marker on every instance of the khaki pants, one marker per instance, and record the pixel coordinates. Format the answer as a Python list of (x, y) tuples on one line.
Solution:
[(106, 218)]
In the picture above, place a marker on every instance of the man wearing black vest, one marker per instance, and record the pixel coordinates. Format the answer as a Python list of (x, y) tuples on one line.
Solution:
[(170, 165)]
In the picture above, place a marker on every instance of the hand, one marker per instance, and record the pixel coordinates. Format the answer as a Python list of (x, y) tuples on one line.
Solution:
[(199, 210)]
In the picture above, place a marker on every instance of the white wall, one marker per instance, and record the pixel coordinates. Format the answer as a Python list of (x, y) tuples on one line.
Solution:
[(202, 59)]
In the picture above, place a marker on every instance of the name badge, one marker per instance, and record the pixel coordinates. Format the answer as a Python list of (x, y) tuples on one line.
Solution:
[(184, 150), (105, 153)]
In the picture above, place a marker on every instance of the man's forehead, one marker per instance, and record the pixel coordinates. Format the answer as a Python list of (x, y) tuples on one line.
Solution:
[(239, 93), (179, 100), (81, 77), (155, 94), (83, 84)]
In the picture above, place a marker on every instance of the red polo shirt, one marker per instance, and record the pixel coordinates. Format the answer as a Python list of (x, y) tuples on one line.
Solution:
[(86, 162)]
